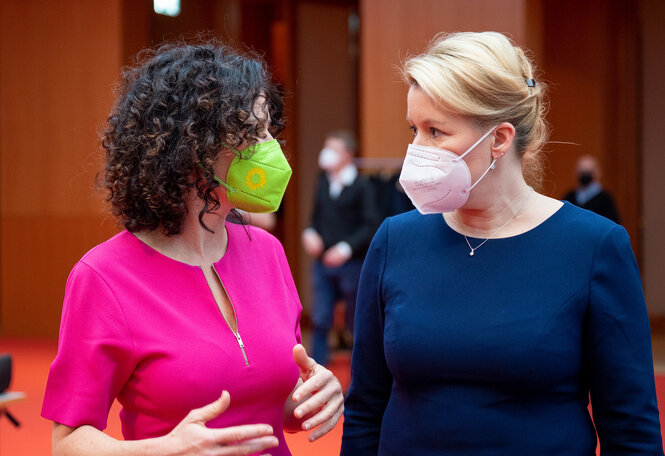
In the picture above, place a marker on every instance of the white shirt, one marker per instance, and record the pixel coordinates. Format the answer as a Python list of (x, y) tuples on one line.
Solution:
[(583, 195), (343, 178)]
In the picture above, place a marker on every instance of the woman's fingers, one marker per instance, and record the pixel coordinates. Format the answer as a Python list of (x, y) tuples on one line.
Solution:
[(251, 446), (328, 425), (324, 413), (235, 434), (192, 435), (306, 364), (315, 402), (318, 380), (325, 403), (209, 412), (322, 386)]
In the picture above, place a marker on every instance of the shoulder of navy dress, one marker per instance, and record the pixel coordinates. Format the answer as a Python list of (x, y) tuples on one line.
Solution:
[(583, 221), (407, 221)]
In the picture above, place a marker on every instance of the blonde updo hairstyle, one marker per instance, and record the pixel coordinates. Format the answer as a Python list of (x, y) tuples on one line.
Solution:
[(484, 77)]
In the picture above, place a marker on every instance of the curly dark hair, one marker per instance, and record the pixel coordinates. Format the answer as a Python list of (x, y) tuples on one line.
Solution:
[(176, 111)]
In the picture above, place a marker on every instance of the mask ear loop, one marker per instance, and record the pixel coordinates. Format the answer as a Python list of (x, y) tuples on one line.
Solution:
[(491, 166), (474, 145), (224, 184), (219, 181)]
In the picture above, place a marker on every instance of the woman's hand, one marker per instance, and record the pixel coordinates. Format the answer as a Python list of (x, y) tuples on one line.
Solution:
[(320, 394), (192, 437)]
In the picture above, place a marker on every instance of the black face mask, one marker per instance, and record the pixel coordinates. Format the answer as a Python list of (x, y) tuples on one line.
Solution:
[(584, 178)]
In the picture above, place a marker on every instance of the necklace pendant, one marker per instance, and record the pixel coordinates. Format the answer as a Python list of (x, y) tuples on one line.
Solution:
[(471, 253)]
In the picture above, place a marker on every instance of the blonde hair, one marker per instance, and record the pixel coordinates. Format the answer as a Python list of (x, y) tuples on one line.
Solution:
[(485, 77)]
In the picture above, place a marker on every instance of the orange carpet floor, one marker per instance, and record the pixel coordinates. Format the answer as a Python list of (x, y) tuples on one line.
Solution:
[(31, 363)]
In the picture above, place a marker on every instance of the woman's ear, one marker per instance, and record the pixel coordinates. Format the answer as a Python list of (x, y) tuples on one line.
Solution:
[(503, 137)]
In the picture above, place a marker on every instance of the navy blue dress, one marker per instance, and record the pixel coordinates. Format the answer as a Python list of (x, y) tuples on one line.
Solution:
[(497, 354)]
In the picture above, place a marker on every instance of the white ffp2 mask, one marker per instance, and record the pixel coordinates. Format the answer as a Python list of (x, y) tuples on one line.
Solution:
[(438, 180), (328, 159)]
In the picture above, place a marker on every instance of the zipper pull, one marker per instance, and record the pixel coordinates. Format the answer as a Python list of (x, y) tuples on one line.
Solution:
[(242, 347)]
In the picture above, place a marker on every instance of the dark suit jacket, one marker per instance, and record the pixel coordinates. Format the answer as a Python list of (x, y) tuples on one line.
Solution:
[(352, 217), (601, 204)]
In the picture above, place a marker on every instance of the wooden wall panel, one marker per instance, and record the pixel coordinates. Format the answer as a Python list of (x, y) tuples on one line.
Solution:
[(38, 251), (393, 29), (326, 100), (569, 44), (651, 117), (591, 60), (58, 63)]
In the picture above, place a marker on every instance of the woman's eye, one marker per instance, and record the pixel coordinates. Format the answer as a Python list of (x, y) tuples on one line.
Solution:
[(434, 132), (414, 130)]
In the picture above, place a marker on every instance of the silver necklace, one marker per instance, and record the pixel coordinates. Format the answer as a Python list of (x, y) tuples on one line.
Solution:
[(473, 249)]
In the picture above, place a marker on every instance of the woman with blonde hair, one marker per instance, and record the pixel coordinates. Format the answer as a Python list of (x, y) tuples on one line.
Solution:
[(489, 316)]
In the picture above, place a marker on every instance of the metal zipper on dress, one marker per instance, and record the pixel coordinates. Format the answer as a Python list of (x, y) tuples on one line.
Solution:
[(236, 334), (242, 346)]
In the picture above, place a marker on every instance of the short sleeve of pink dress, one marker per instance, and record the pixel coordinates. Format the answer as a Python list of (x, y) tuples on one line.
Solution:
[(143, 328)]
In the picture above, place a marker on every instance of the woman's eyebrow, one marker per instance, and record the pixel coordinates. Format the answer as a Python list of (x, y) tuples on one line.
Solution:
[(439, 123)]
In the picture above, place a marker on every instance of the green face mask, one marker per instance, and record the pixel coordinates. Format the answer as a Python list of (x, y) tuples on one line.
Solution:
[(257, 178)]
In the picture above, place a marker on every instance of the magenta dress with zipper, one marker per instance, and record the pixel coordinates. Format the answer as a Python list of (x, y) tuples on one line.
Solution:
[(145, 329)]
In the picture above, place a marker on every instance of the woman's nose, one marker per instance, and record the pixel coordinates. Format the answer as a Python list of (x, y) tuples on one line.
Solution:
[(418, 140)]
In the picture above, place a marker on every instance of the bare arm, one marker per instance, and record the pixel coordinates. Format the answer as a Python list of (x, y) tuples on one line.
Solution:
[(87, 440), (189, 437)]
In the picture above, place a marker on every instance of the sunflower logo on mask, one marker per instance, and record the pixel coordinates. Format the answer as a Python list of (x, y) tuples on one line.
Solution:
[(256, 178)]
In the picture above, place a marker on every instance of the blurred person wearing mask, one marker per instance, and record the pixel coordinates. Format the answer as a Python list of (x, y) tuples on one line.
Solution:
[(589, 193), (488, 318), (344, 219)]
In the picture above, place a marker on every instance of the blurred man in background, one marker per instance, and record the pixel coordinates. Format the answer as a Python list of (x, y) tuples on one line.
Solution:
[(344, 219), (589, 194)]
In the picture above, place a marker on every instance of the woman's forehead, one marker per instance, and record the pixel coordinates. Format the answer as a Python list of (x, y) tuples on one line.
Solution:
[(421, 108)]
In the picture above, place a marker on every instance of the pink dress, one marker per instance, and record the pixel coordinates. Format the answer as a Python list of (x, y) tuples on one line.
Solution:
[(146, 329)]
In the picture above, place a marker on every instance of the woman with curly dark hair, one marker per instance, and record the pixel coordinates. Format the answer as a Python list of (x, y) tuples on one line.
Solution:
[(182, 311)]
